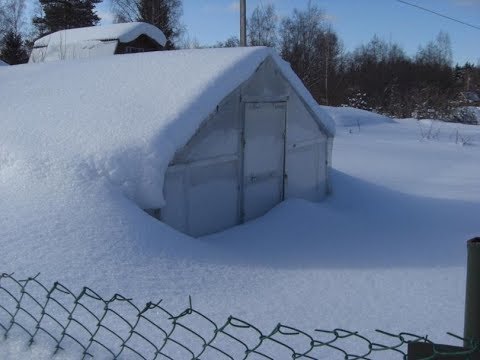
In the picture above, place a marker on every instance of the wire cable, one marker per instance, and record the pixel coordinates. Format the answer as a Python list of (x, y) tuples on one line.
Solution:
[(439, 14)]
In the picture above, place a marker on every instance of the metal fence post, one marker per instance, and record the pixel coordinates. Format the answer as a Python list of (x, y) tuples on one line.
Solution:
[(472, 296)]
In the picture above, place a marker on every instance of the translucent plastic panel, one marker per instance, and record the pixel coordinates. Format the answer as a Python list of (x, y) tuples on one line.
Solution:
[(263, 157)]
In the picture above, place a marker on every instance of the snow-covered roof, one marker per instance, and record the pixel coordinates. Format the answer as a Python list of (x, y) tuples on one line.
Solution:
[(471, 96), (124, 33), (3, 63), (79, 50), (88, 42), (122, 118)]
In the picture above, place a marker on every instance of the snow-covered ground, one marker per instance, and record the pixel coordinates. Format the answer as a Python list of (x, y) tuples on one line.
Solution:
[(385, 251)]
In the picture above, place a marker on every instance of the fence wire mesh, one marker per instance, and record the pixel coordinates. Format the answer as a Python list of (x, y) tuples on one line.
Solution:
[(89, 326)]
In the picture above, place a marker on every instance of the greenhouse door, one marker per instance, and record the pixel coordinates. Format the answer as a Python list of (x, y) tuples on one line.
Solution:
[(264, 158)]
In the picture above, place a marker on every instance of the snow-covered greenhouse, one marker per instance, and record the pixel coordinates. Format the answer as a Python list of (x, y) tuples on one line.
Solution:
[(202, 139), (262, 141)]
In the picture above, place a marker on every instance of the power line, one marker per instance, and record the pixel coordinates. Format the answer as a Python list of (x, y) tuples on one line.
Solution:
[(439, 14)]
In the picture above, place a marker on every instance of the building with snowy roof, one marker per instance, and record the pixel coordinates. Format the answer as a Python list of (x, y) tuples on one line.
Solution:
[(471, 97), (95, 41), (202, 139)]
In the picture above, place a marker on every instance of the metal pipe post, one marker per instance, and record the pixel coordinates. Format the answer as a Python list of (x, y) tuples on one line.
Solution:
[(243, 22), (472, 296)]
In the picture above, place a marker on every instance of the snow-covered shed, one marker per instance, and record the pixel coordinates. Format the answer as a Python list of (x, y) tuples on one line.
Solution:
[(471, 96), (95, 41), (202, 139)]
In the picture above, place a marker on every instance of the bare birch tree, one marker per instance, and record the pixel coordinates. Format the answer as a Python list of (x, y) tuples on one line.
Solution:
[(262, 26)]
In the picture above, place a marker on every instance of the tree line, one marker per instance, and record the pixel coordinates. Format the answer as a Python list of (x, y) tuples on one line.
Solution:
[(377, 76)]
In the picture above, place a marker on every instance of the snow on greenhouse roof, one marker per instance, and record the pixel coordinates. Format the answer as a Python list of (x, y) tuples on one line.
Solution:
[(124, 33), (121, 119)]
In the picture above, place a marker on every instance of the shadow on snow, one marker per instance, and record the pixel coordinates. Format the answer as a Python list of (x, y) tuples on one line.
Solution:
[(361, 225)]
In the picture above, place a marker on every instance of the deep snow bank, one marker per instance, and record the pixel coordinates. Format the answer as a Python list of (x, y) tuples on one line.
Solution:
[(386, 250), (355, 118)]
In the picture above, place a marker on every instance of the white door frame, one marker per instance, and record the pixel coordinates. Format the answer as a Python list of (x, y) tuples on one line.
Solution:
[(282, 102)]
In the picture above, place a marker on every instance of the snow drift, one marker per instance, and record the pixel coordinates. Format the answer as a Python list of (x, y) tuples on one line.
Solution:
[(385, 251)]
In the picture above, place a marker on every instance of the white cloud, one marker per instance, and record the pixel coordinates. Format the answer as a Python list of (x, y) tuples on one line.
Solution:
[(330, 17), (106, 17), (234, 6), (105, 13)]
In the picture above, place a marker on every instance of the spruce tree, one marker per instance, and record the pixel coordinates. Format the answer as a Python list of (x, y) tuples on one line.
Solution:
[(12, 49), (65, 14)]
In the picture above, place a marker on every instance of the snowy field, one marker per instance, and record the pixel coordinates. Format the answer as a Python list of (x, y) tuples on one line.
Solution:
[(385, 251)]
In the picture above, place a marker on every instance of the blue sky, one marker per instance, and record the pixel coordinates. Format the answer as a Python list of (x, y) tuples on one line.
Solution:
[(356, 21)]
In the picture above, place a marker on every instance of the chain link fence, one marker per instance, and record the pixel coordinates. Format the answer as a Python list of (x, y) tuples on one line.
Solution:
[(89, 326)]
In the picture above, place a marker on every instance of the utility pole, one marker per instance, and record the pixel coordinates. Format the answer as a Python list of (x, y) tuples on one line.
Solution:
[(243, 22)]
